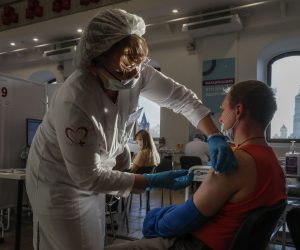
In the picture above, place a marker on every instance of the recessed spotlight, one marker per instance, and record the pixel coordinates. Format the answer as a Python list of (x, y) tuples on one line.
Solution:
[(174, 11), (35, 39), (79, 30), (12, 44)]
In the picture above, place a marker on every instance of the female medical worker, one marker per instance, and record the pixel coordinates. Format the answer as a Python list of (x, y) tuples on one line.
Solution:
[(70, 162)]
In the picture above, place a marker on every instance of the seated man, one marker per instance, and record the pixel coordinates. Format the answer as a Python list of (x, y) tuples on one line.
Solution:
[(211, 217), (198, 147)]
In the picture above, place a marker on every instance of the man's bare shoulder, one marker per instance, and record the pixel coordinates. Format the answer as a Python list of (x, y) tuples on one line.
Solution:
[(217, 189)]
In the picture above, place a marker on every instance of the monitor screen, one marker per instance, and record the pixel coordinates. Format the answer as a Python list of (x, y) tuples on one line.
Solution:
[(31, 127)]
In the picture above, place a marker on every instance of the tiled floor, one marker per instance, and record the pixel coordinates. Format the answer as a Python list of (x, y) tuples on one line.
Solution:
[(135, 218), (136, 214)]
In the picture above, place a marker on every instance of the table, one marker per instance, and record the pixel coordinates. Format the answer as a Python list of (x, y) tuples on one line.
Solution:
[(200, 172), (19, 176), (171, 153)]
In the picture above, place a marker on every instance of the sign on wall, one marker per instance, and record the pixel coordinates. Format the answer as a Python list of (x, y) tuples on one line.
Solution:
[(218, 74)]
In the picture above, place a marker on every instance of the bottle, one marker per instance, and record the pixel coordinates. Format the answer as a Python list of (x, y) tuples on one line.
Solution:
[(23, 157), (292, 161)]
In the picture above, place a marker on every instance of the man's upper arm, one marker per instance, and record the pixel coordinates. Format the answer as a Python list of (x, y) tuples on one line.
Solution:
[(214, 191)]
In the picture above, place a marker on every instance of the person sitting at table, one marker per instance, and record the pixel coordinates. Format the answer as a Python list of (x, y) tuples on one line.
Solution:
[(198, 147), (213, 214), (148, 155)]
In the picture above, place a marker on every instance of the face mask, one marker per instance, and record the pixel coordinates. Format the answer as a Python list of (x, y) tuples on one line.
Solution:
[(228, 132), (115, 85)]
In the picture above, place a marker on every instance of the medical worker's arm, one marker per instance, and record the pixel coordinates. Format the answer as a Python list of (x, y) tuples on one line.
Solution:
[(174, 179), (221, 156), (167, 93), (213, 193), (80, 145)]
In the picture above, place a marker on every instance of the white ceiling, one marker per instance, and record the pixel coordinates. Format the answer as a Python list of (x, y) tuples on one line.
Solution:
[(153, 11)]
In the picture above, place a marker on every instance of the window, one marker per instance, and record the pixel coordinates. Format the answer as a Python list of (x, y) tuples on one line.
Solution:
[(284, 78), (150, 117)]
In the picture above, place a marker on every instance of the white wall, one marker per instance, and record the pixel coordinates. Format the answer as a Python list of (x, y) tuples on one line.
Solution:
[(24, 100), (252, 49), (266, 31), (25, 70), (176, 62), (260, 40)]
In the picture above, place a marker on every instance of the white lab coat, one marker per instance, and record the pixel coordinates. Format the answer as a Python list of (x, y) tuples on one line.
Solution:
[(70, 162)]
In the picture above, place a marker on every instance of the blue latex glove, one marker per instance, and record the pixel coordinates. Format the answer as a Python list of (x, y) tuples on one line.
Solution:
[(175, 179), (221, 156), (173, 220)]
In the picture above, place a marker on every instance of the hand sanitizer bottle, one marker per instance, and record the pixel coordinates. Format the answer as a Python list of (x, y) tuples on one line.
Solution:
[(292, 161)]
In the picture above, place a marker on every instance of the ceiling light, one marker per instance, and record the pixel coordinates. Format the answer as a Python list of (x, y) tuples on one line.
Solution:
[(35, 39), (79, 30), (42, 45), (174, 11), (12, 44), (16, 50)]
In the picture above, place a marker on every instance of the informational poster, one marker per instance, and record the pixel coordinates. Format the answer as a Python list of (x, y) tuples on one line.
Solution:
[(218, 74)]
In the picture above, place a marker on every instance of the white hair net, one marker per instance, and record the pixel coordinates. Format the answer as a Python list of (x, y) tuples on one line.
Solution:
[(103, 31)]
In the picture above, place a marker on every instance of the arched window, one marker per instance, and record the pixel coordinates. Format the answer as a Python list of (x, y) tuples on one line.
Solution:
[(284, 78), (150, 118)]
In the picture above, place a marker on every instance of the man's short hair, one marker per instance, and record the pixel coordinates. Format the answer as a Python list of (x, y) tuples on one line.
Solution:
[(257, 98)]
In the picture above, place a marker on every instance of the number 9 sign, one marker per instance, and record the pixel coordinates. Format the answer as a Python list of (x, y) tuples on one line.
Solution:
[(3, 92)]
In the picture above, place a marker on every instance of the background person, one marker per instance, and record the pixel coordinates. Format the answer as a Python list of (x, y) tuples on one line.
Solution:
[(198, 147), (214, 213), (90, 119), (148, 155)]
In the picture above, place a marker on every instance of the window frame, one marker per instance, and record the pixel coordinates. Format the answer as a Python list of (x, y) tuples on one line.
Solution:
[(269, 82), (135, 130)]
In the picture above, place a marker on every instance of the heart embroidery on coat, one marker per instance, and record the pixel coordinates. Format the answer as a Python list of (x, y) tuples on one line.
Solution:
[(77, 136)]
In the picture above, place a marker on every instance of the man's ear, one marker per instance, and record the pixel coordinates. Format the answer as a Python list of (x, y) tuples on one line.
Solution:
[(239, 109)]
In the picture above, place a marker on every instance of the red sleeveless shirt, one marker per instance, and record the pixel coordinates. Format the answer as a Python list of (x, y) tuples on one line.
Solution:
[(219, 231)]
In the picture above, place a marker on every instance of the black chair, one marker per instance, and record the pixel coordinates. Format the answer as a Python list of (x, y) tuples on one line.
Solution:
[(187, 162), (256, 230), (112, 209), (293, 223), (144, 170), (164, 165)]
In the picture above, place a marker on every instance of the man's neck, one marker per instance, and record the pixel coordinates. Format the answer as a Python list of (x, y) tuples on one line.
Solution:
[(249, 135)]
